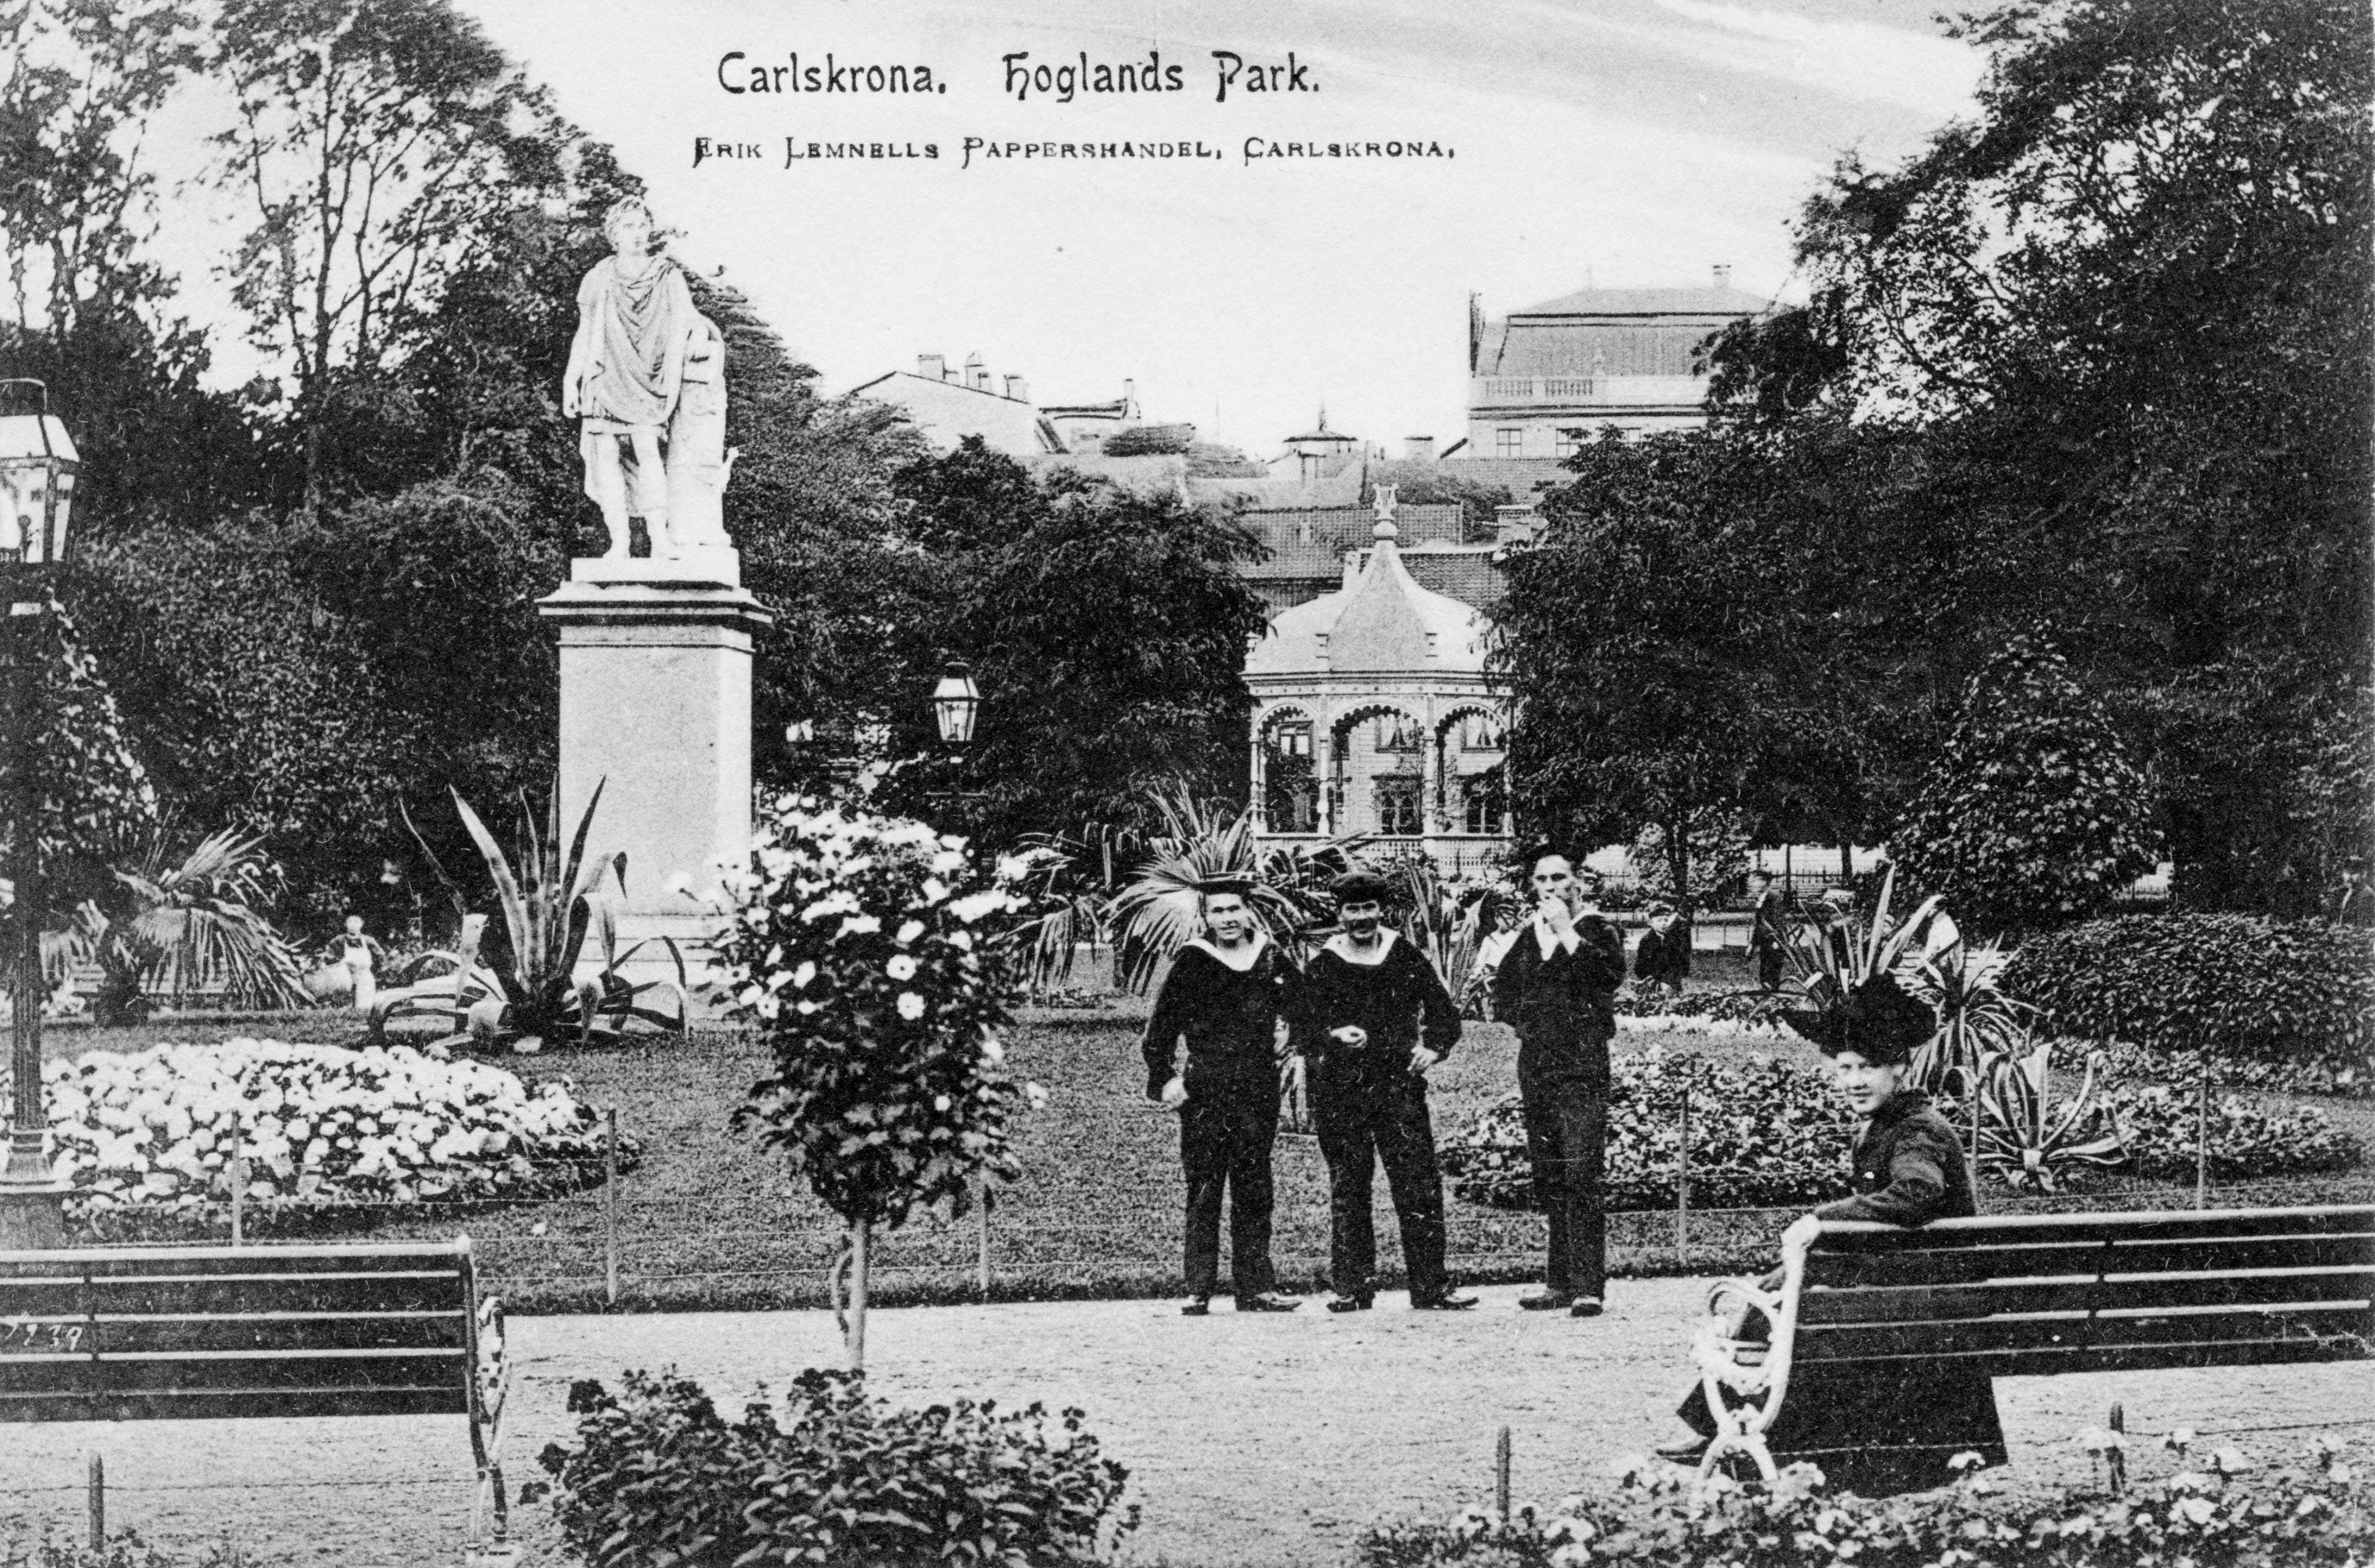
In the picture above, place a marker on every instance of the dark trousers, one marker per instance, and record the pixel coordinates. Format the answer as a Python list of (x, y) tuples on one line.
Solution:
[(1768, 966), (1361, 1127), (1566, 1142), (1226, 1133)]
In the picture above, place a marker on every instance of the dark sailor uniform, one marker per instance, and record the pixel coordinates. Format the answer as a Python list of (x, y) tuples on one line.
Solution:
[(1885, 1431), (1230, 1023), (1562, 1006), (1370, 1109)]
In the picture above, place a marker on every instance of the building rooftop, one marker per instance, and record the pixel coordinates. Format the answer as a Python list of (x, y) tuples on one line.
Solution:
[(1709, 301)]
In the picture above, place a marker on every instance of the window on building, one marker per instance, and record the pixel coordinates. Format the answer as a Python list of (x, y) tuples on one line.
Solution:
[(1290, 789), (1394, 733), (1480, 732), (1483, 801), (1398, 805), (1564, 443), (1509, 442)]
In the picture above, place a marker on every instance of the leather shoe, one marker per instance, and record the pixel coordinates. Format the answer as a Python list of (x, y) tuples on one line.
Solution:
[(1585, 1306), (1269, 1301), (1547, 1301), (1442, 1301), (1684, 1451), (1200, 1307), (1361, 1302)]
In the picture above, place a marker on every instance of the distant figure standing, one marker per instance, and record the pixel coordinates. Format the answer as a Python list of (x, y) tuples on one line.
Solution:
[(1374, 1019), (1557, 989), (1768, 930), (2353, 900), (1223, 997), (1662, 959)]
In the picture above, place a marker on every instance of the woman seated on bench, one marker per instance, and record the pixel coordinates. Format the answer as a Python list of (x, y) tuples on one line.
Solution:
[(1883, 1430)]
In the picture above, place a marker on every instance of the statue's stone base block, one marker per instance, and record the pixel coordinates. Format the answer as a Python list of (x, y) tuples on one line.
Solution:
[(655, 712), (716, 566)]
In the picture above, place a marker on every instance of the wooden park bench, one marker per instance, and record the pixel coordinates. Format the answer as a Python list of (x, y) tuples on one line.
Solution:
[(135, 1332), (2032, 1296)]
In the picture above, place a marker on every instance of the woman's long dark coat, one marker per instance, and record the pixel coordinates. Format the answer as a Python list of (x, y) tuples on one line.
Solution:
[(1886, 1431)]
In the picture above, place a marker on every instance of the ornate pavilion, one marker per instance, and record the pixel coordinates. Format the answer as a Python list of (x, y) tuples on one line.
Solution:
[(1372, 716)]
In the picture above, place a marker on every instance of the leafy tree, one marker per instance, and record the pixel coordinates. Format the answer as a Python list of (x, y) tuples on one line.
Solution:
[(379, 144), (81, 78), (2120, 322), (1106, 629), (1668, 649), (2033, 816), (856, 946)]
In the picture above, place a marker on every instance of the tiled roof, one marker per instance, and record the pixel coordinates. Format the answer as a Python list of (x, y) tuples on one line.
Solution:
[(1468, 575), (1342, 528), (1648, 302), (1523, 478)]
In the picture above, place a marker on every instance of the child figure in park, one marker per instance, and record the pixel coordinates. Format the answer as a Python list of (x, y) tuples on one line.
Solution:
[(1879, 1430)]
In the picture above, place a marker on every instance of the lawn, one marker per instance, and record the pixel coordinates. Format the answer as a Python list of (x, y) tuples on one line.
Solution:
[(703, 1223)]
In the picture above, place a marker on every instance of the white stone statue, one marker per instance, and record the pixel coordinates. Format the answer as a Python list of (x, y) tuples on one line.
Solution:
[(646, 383)]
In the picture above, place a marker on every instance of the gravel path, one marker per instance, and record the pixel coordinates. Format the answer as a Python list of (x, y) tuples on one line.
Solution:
[(1266, 1440)]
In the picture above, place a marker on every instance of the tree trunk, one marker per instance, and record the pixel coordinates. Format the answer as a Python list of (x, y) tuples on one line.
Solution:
[(860, 1263)]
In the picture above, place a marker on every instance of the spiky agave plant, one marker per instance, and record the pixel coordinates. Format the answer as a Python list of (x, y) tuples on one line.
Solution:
[(2033, 1144), (1829, 959), (1976, 1019), (550, 906)]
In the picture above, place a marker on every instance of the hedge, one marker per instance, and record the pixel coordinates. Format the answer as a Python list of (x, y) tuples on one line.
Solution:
[(2236, 985)]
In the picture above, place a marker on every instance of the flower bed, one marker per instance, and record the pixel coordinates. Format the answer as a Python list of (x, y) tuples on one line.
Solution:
[(2318, 1511), (1771, 1134), (151, 1133), (1764, 1134)]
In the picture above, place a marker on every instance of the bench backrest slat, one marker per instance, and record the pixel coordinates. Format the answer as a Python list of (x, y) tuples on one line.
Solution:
[(110, 1333), (2058, 1294)]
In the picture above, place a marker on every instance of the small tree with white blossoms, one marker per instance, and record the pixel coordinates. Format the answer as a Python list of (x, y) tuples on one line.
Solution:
[(860, 945)]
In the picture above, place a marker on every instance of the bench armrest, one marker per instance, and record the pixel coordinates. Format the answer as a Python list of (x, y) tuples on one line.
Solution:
[(1729, 1359)]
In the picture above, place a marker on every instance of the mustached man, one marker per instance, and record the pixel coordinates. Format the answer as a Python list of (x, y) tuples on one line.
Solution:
[(1372, 1019), (1212, 1056), (1557, 989)]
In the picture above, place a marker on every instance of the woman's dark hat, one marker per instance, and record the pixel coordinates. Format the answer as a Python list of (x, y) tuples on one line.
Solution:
[(1360, 887), (1878, 1021)]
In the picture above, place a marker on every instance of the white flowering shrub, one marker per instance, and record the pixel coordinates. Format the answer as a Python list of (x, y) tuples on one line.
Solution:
[(860, 947), (154, 1131)]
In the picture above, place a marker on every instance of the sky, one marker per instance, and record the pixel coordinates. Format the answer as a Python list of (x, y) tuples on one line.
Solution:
[(1609, 142)]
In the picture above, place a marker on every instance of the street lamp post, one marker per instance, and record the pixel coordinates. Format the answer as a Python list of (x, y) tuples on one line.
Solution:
[(38, 467), (956, 704)]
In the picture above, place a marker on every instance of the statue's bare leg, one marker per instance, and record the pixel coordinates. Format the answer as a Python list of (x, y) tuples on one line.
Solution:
[(611, 487), (649, 469)]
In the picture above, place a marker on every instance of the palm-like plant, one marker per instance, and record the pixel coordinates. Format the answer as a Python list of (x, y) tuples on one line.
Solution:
[(1070, 882), (1447, 925), (549, 906), (2034, 1145), (1155, 915), (1831, 957), (1977, 1020), (187, 924)]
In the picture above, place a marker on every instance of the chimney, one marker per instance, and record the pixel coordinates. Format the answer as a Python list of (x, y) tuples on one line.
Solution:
[(976, 375), (932, 367), (1017, 389), (1129, 397), (1723, 275), (1418, 449)]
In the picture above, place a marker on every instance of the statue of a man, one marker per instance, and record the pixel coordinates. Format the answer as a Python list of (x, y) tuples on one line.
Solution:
[(635, 320)]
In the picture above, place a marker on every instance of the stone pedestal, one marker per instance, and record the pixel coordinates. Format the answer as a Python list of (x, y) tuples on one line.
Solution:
[(656, 710)]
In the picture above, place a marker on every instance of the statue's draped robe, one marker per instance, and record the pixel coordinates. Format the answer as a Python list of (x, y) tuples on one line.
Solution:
[(626, 360)]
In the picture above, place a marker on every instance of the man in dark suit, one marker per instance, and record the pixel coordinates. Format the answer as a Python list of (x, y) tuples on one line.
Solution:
[(1557, 989), (1769, 930), (1374, 1019)]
